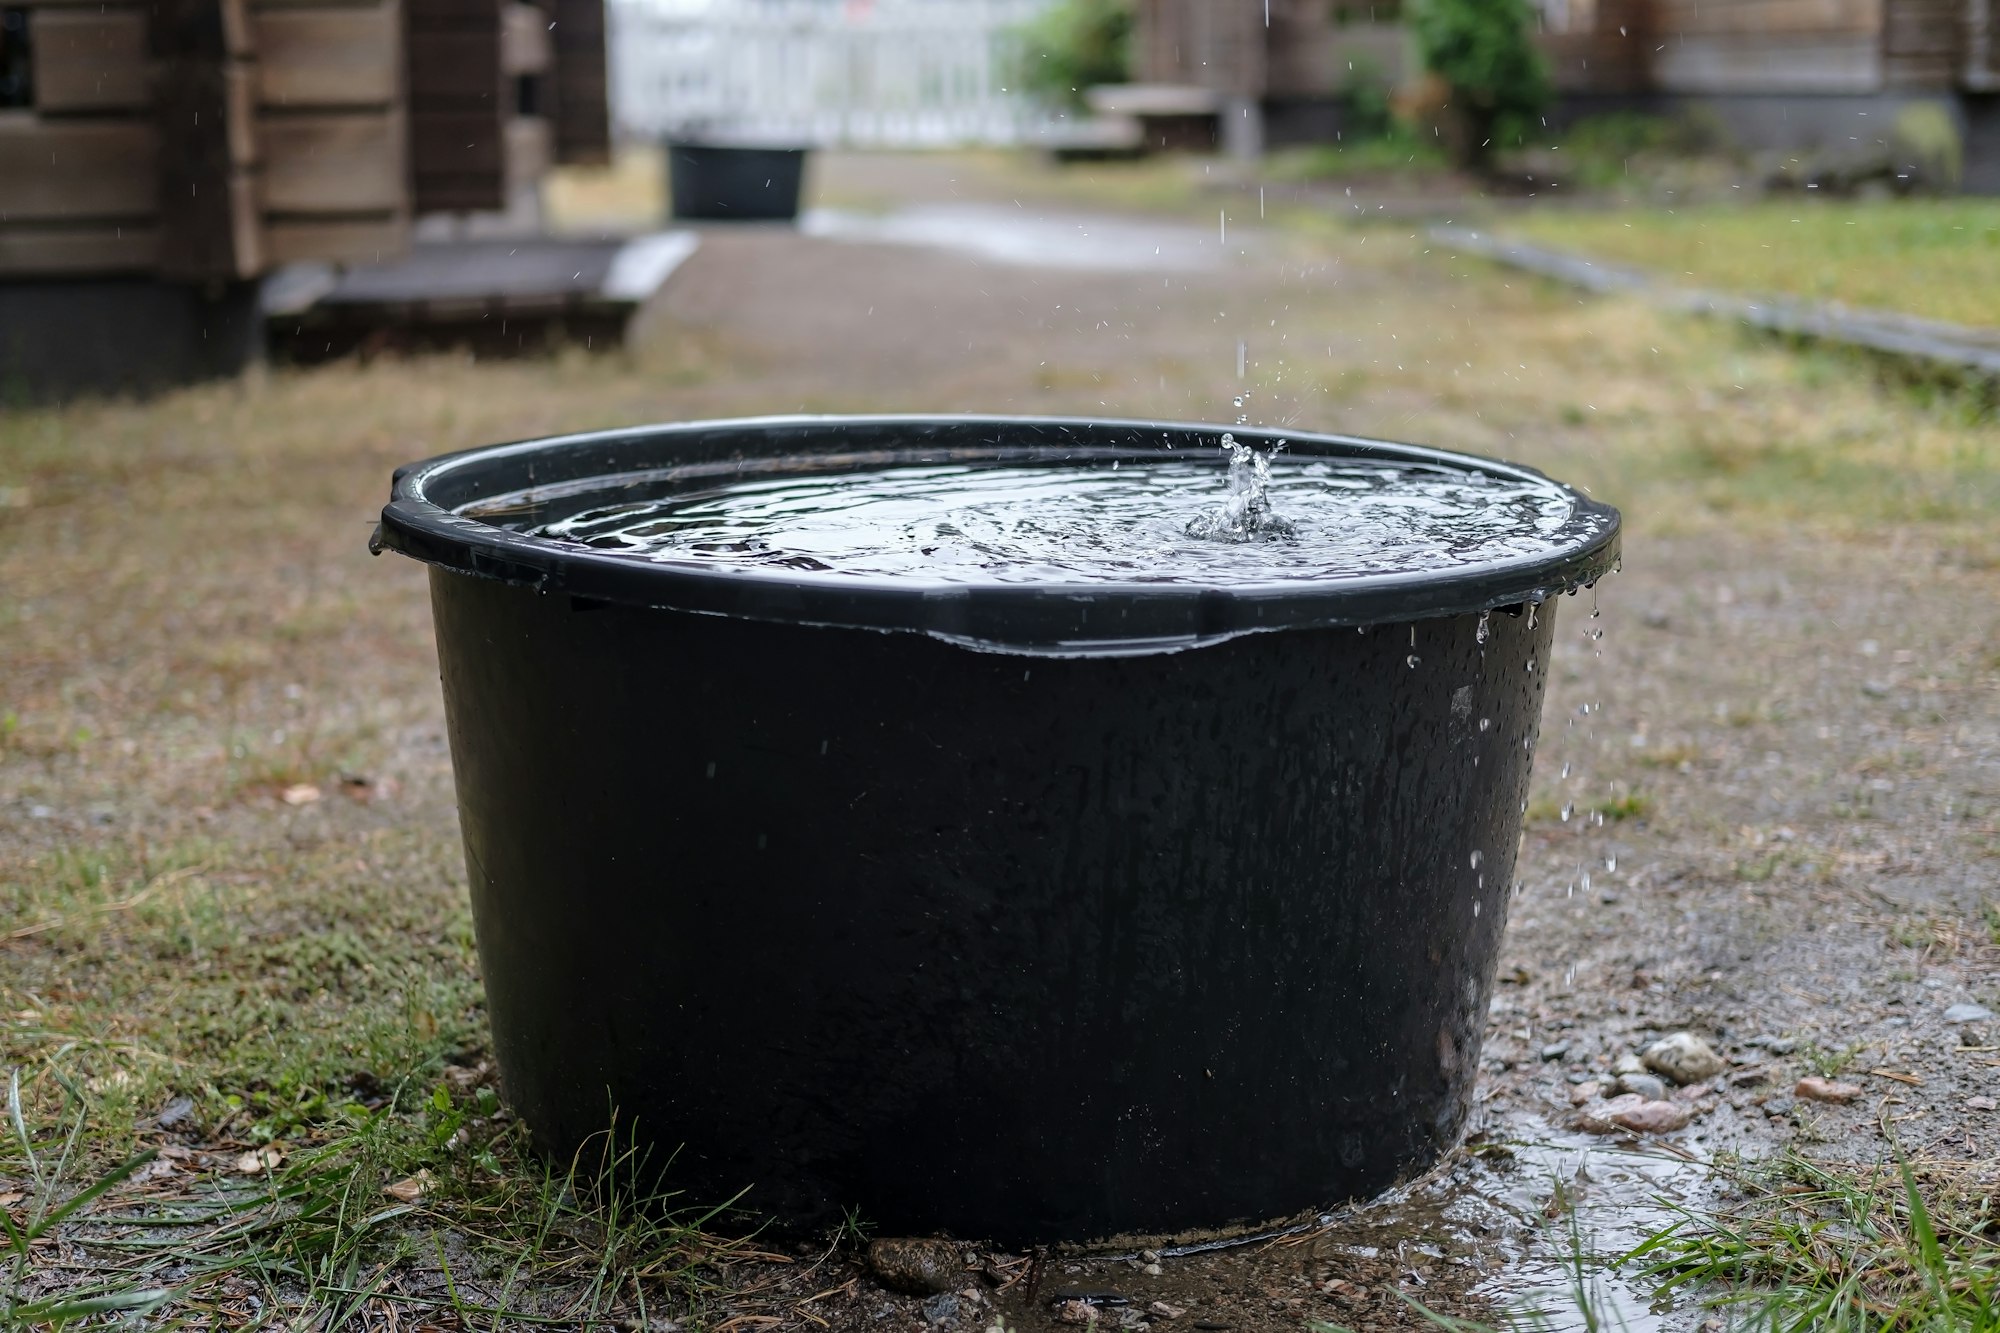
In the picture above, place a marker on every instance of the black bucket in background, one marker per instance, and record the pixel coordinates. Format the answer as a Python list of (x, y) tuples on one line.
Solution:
[(1027, 913), (729, 183)]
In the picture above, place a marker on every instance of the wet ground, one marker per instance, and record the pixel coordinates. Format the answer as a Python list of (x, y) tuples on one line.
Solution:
[(1767, 801), (1768, 787)]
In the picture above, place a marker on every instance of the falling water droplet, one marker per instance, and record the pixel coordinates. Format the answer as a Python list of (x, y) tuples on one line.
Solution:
[(1569, 808), (1477, 857), (1610, 864), (1485, 627), (1413, 659), (1565, 771), (1485, 723)]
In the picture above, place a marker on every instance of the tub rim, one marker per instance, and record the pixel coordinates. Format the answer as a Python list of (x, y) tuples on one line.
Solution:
[(422, 520)]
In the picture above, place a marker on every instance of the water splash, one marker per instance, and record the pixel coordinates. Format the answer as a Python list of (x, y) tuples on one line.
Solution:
[(1246, 515)]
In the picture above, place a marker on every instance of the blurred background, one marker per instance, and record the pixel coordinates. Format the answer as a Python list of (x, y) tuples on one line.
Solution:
[(187, 188)]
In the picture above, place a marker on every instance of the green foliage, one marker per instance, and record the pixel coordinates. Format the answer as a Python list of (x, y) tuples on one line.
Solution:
[(1484, 50), (1927, 146), (1364, 96), (1073, 46), (1822, 1245), (1396, 152)]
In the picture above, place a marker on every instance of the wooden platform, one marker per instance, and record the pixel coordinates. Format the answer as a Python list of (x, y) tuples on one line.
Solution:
[(508, 296)]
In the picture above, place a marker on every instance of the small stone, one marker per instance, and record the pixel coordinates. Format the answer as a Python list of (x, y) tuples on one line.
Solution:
[(1775, 1045), (1684, 1058), (1825, 1090), (1653, 1117), (1152, 1270), (1555, 1050), (917, 1265), (1165, 1310), (1076, 1312), (411, 1188), (1584, 1093), (941, 1308), (1744, 1078), (1149, 1256), (1650, 1086), (1980, 1104), (1967, 1013), (1692, 1092), (1600, 1119), (258, 1161), (1628, 1063)]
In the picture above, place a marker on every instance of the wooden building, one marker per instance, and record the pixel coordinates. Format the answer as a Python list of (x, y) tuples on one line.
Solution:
[(171, 152), (1778, 73)]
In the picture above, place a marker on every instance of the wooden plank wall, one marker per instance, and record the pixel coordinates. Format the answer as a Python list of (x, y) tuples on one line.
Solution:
[(1215, 44), (1767, 46), (333, 126), (460, 102), (580, 104), (81, 169), (201, 139), (1606, 47), (1923, 43)]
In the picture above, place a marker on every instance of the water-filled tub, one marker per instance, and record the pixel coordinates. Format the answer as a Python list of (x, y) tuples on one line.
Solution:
[(1033, 909)]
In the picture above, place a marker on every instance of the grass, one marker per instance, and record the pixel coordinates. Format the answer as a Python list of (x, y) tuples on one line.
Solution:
[(1939, 259), (1399, 153), (1815, 1245)]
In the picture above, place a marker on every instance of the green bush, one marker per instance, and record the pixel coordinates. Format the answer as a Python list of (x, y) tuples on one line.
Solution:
[(1074, 45), (1364, 95), (1484, 51)]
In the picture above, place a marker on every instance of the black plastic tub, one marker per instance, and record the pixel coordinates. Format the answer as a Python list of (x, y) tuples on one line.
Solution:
[(715, 182), (1026, 912)]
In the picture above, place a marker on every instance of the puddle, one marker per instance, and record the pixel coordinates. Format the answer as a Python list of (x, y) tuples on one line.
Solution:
[(1006, 234), (1495, 1231)]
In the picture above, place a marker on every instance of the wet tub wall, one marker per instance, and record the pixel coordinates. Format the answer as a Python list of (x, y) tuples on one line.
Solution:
[(1016, 947)]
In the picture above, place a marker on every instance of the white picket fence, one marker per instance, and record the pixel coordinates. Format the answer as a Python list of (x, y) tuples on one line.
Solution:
[(886, 73)]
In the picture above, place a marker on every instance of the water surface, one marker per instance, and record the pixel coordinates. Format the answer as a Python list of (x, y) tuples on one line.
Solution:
[(1213, 518)]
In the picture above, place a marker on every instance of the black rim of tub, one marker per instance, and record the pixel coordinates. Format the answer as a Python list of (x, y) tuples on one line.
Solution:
[(428, 518)]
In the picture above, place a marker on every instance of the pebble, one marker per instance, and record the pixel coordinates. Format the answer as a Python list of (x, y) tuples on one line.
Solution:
[(1684, 1058), (941, 1308), (1628, 1063), (1650, 1086), (1152, 1270), (1076, 1312), (1650, 1117), (1585, 1093), (1555, 1051), (1980, 1104), (1826, 1090), (1164, 1310), (1598, 1119), (1775, 1045), (919, 1266), (1967, 1013)]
